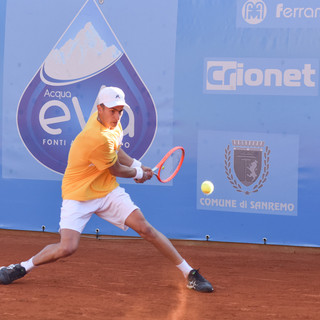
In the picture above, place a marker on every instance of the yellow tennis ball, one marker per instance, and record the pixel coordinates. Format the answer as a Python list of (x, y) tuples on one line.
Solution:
[(207, 187)]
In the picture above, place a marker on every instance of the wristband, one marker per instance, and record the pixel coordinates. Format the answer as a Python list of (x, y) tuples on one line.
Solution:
[(136, 164), (139, 173)]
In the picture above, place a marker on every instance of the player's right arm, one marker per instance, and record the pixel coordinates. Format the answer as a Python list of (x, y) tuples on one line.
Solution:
[(126, 160), (123, 171)]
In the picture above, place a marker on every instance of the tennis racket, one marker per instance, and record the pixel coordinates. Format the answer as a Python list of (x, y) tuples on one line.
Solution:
[(169, 165)]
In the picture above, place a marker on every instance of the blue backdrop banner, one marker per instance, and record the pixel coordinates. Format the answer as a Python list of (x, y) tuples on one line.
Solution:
[(236, 83)]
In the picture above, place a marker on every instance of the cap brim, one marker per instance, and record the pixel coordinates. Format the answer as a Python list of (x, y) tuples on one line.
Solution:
[(116, 104)]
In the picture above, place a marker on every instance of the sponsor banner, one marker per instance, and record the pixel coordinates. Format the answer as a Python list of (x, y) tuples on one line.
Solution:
[(61, 96), (251, 172), (278, 14), (261, 76)]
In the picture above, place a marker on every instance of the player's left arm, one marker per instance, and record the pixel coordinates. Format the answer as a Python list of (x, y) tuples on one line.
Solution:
[(124, 158)]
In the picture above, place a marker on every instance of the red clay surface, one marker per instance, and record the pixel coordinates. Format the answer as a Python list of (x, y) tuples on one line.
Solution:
[(118, 278)]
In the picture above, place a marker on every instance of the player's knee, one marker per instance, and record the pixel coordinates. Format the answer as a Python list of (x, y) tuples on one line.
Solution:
[(147, 232), (67, 250)]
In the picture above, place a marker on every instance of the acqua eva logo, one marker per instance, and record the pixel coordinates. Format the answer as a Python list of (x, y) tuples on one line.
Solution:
[(62, 95)]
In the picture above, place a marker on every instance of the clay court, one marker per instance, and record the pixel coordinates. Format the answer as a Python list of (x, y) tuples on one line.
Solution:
[(123, 278)]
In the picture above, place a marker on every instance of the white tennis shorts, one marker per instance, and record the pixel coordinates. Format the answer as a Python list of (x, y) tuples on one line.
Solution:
[(115, 208)]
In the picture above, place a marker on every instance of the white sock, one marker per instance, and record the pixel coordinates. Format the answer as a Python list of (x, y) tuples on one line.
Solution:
[(184, 268), (28, 265)]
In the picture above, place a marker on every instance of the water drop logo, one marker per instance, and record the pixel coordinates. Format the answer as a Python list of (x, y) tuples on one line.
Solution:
[(62, 95)]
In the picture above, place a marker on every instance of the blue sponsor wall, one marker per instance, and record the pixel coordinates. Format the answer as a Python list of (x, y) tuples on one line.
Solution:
[(236, 83)]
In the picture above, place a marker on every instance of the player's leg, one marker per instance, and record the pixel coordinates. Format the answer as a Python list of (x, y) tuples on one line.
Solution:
[(69, 241), (118, 209), (138, 223), (74, 217)]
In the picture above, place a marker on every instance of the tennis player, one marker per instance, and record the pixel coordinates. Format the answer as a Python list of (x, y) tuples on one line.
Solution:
[(90, 187)]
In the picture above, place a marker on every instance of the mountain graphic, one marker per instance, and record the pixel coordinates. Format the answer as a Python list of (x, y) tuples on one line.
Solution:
[(80, 57)]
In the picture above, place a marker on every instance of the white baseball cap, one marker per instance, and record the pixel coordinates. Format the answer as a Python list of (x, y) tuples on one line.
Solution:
[(112, 97)]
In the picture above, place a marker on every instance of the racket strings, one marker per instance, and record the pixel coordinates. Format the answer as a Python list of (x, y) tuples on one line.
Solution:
[(169, 167)]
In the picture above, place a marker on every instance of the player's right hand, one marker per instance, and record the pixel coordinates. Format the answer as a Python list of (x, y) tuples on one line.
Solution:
[(147, 175)]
